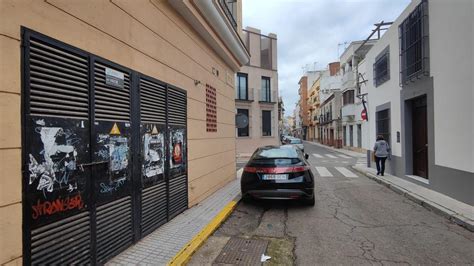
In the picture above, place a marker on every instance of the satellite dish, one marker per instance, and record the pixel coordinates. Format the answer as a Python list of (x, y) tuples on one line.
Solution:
[(241, 121)]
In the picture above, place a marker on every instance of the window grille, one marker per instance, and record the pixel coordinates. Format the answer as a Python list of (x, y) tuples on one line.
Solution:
[(413, 37), (382, 68)]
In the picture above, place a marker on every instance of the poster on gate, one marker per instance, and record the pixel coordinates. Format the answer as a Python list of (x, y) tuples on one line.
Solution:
[(177, 150)]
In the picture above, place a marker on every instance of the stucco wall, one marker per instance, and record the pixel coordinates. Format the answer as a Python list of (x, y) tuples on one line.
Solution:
[(146, 36), (453, 71)]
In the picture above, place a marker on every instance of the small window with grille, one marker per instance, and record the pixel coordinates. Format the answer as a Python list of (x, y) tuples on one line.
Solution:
[(211, 109), (383, 124), (382, 67)]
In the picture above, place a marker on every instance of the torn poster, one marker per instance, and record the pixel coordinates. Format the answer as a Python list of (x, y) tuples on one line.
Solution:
[(153, 151)]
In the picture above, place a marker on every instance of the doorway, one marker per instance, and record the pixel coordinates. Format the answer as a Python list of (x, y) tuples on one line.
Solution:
[(420, 137)]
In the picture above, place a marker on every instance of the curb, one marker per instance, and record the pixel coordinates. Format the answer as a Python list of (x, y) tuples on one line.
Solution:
[(184, 255), (430, 205)]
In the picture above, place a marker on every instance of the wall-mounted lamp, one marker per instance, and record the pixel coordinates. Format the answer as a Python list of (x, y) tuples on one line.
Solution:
[(196, 82)]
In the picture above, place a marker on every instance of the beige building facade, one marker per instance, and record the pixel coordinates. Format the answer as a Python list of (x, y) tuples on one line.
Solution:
[(314, 110), (111, 109), (256, 94)]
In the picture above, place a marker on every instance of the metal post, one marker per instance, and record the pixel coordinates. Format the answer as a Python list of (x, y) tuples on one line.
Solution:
[(368, 158)]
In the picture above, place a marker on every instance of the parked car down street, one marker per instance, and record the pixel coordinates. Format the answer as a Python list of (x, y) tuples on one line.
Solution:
[(278, 173)]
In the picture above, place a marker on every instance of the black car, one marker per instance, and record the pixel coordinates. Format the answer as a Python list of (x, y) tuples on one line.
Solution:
[(278, 172)]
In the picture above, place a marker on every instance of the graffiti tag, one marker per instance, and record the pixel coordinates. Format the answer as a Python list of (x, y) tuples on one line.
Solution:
[(57, 206), (113, 186)]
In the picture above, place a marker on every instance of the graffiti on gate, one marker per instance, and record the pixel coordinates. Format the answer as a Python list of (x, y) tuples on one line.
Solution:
[(153, 151), (43, 208), (177, 148), (113, 149), (56, 162), (112, 186)]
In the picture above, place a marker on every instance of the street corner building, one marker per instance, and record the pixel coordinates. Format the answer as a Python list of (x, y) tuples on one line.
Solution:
[(115, 117), (256, 94), (420, 94)]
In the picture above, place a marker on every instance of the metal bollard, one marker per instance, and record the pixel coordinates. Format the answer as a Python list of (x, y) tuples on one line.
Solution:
[(368, 158)]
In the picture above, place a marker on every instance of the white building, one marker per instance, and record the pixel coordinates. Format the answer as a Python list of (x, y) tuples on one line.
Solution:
[(298, 123), (355, 129), (330, 80), (421, 95)]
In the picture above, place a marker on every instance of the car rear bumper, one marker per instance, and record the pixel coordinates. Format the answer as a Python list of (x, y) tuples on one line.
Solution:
[(306, 193)]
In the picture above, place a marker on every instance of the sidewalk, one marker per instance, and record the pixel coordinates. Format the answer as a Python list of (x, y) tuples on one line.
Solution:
[(456, 211), (161, 246)]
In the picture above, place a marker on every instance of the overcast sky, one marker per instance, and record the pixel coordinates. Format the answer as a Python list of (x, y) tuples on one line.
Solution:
[(309, 31)]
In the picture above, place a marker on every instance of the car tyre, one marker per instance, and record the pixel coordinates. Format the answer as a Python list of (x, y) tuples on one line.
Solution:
[(310, 202), (246, 198)]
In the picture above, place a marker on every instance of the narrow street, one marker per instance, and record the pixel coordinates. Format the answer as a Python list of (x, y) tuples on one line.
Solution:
[(355, 221)]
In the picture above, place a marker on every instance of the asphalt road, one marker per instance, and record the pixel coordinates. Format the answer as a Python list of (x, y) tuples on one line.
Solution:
[(355, 221)]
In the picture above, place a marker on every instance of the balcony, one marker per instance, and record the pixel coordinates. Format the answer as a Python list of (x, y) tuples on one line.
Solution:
[(348, 79), (349, 112), (272, 99)]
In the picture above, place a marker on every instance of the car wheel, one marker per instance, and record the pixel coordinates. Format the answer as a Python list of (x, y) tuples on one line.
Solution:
[(310, 202), (246, 198)]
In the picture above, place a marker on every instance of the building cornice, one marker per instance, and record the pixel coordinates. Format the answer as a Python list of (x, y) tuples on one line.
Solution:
[(210, 21)]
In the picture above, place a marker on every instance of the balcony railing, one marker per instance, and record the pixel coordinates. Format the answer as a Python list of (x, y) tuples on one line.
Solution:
[(348, 78), (248, 97), (349, 110), (229, 8)]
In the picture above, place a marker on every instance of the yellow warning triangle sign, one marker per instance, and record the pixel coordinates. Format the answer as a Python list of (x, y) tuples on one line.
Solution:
[(115, 130), (154, 131)]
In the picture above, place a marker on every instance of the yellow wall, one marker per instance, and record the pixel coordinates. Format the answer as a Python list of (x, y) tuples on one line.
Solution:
[(147, 36)]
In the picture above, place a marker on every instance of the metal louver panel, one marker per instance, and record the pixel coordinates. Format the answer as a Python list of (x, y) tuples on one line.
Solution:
[(152, 102), (64, 242), (58, 82), (178, 196), (176, 107), (114, 228), (153, 207), (111, 103)]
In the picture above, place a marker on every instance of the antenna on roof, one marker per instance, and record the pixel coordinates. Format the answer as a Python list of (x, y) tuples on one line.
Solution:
[(338, 46)]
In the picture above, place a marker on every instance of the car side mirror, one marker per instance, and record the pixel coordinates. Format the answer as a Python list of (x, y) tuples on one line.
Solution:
[(306, 156)]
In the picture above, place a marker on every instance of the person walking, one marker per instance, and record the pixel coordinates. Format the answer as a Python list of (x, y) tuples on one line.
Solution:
[(381, 153)]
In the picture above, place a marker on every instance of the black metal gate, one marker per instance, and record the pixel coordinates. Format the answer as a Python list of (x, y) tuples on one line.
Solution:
[(104, 154)]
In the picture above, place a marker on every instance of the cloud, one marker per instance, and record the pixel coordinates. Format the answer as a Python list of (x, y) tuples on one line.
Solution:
[(309, 31)]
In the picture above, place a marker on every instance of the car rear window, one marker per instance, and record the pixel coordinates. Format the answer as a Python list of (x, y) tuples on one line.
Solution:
[(296, 141), (276, 153)]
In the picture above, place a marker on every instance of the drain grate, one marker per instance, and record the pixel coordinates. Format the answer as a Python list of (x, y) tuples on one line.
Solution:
[(242, 251)]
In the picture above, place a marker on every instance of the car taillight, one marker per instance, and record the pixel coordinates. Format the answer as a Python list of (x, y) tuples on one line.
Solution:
[(250, 169), (276, 170)]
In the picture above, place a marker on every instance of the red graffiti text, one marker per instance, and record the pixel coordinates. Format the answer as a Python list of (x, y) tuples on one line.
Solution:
[(58, 205)]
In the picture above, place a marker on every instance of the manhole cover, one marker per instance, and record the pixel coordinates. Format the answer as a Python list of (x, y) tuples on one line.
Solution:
[(242, 251)]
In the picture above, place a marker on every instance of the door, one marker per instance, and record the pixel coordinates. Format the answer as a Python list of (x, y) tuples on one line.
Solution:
[(177, 151), (351, 135), (344, 135), (420, 137), (154, 200), (359, 136), (331, 141), (56, 132), (112, 153)]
